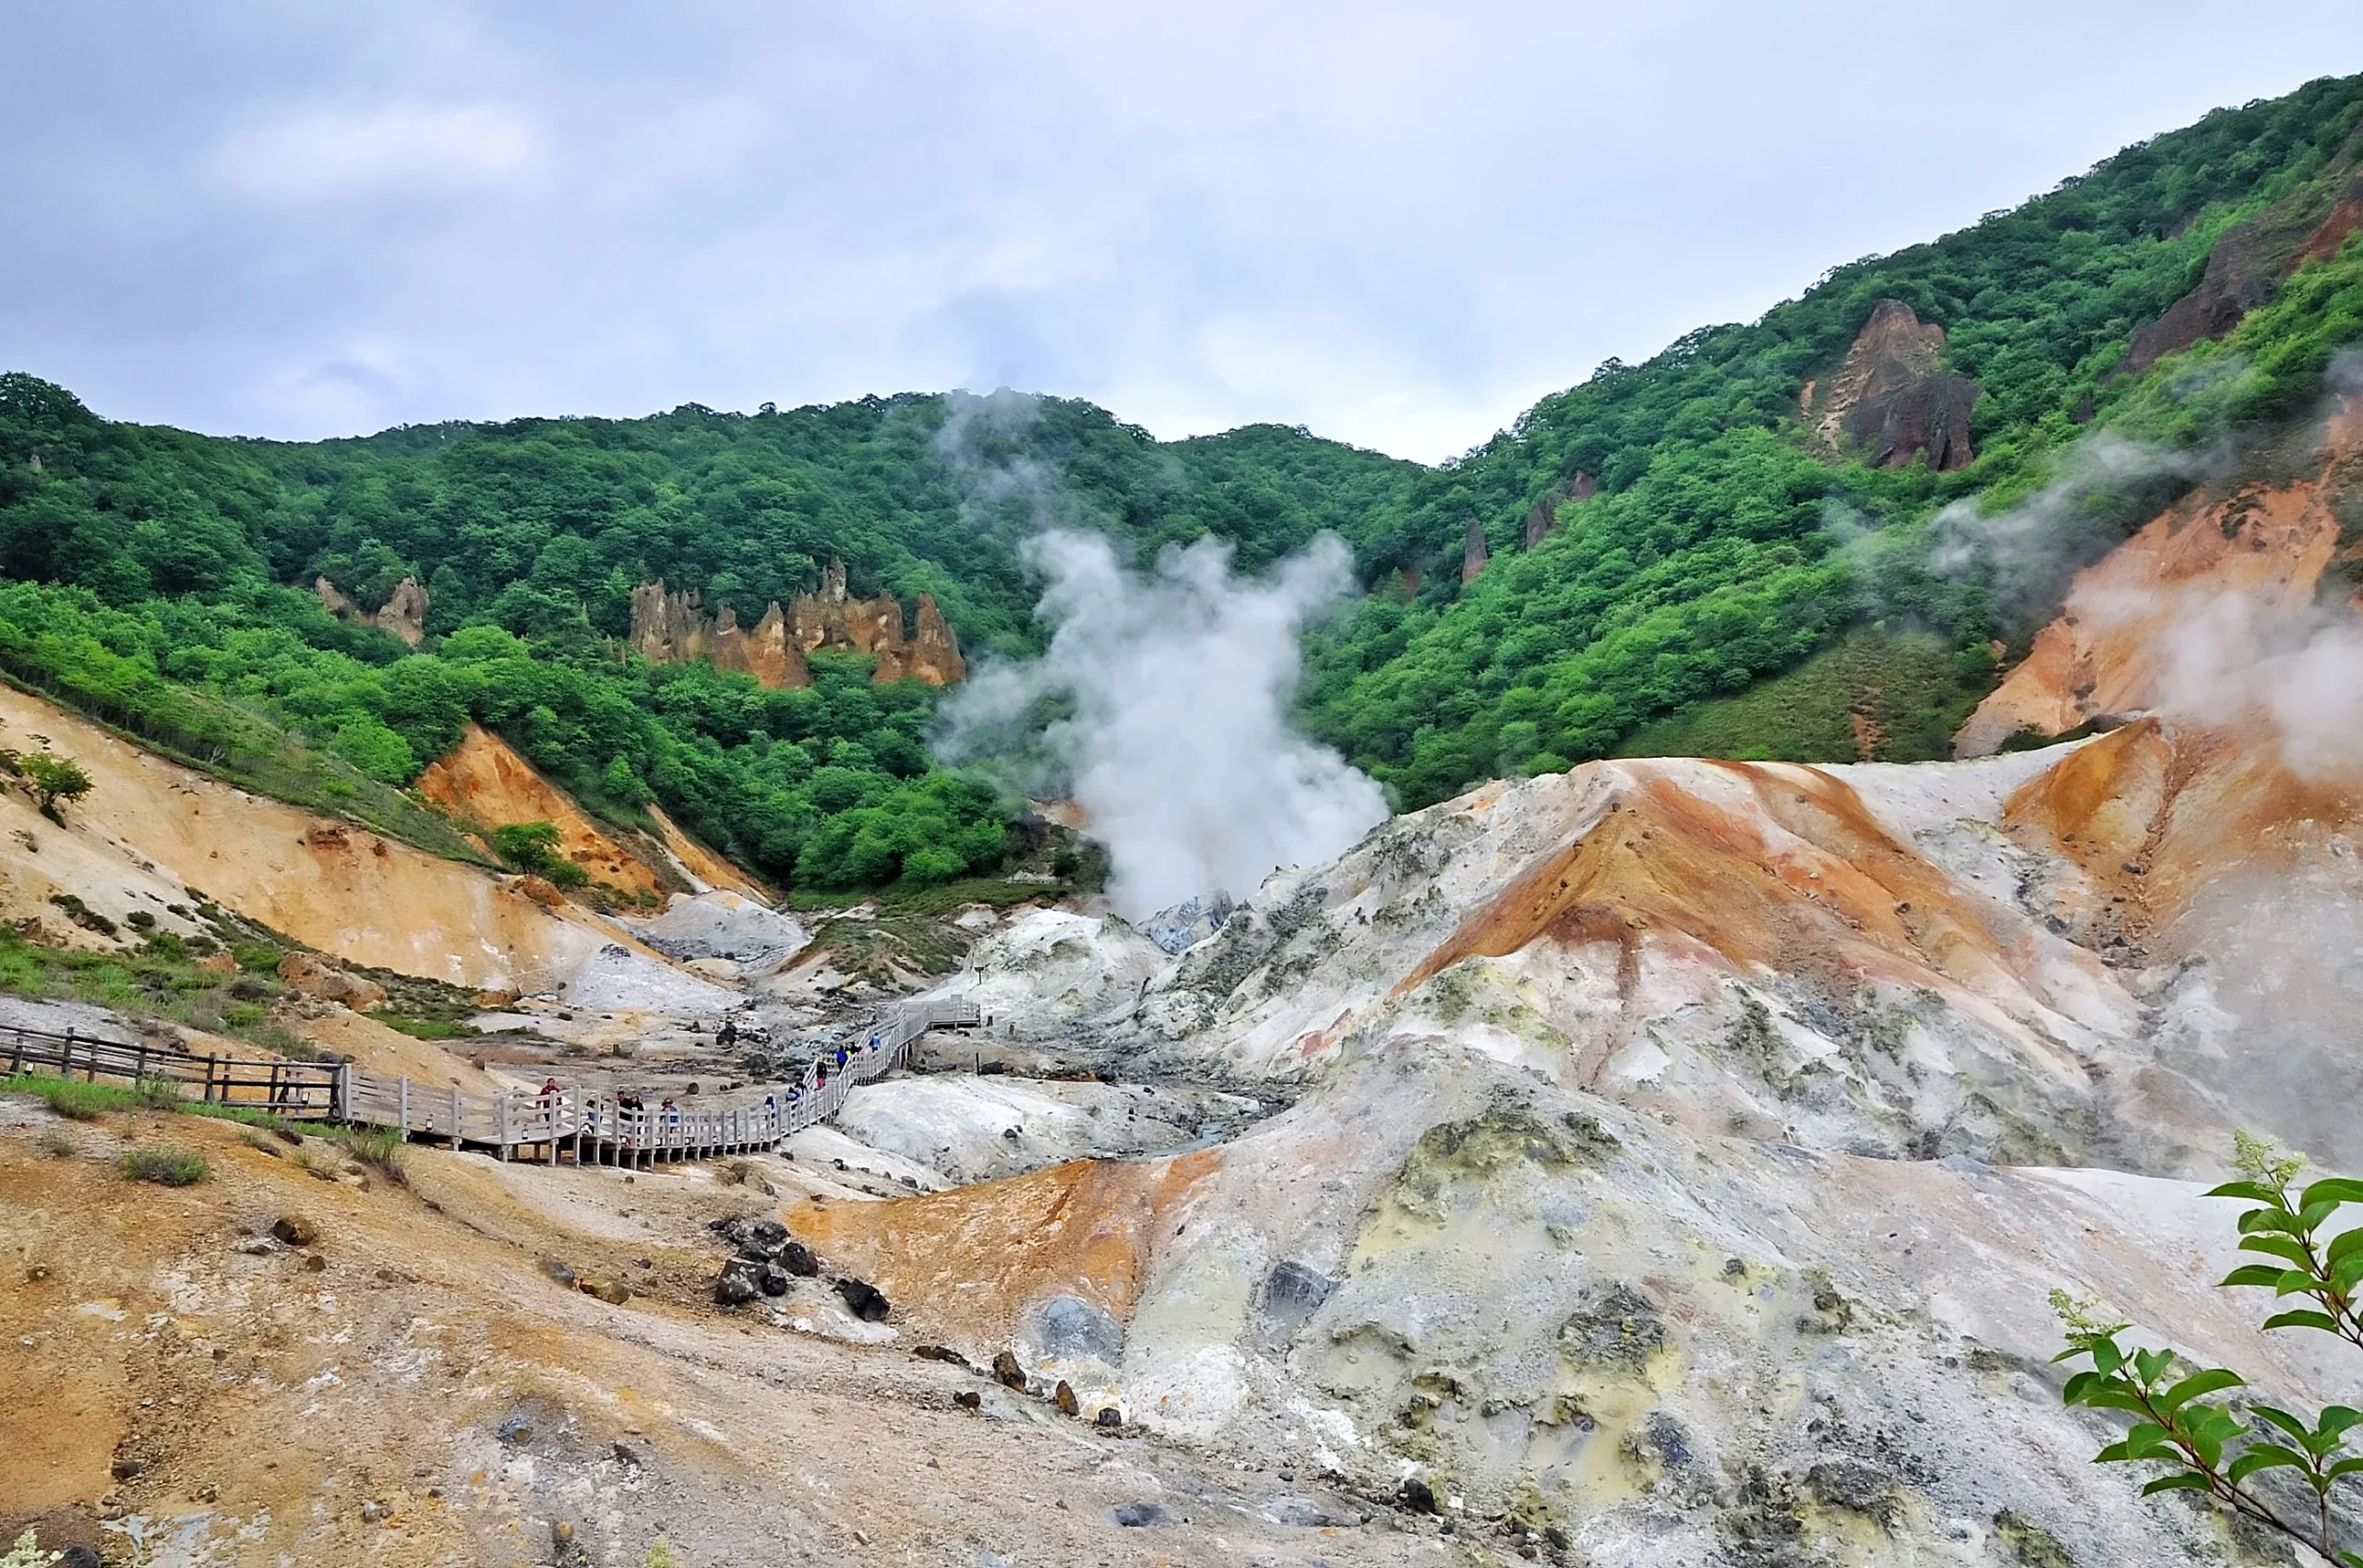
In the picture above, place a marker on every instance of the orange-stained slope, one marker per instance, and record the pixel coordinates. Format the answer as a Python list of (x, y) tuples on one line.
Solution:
[(1784, 866), (2113, 645), (2156, 812), (484, 780), (965, 1265)]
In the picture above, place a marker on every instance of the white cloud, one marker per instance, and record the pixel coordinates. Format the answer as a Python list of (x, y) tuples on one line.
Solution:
[(1394, 221), (324, 153)]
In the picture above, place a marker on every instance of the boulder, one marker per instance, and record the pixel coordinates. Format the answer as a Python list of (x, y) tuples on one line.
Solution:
[(295, 1230), (1108, 1418), (308, 974), (968, 1399), (1188, 923), (1006, 1368), (798, 1260), (613, 1292), (865, 1300), (773, 1281), (1065, 1400), (739, 1283)]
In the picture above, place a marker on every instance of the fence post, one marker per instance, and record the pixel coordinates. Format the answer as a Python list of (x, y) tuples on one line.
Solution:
[(501, 1121), (401, 1110), (455, 1117), (341, 1093)]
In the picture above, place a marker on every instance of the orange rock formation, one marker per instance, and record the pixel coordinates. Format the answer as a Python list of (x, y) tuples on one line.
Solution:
[(672, 627)]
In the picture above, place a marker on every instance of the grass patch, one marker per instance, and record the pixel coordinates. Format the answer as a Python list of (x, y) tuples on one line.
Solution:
[(428, 1028), (72, 1097), (379, 1148), (945, 898), (1900, 695), (166, 1167), (159, 979)]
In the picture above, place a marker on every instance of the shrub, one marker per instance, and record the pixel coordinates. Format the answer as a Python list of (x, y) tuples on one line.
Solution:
[(161, 1093), (26, 1553), (166, 1167), (51, 780), (381, 1148)]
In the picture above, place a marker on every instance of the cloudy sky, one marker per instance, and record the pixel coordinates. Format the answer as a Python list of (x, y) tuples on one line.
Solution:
[(1396, 223)]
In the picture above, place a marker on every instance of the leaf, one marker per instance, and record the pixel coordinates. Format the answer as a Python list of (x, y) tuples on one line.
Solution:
[(2345, 1244), (2256, 1220), (2295, 1282), (2106, 1357), (2074, 1391), (2293, 1425), (2114, 1452), (2198, 1383), (2146, 1440), (2332, 1189), (2344, 1467), (2336, 1418), (2253, 1274), (2347, 1271), (2254, 1191), (2189, 1480), (2312, 1215), (2279, 1246), (2322, 1321), (2263, 1456), (2150, 1365)]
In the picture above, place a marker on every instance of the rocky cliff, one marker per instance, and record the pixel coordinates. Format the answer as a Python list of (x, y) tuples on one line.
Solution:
[(1892, 399), (2249, 263), (403, 613), (1543, 518), (671, 627)]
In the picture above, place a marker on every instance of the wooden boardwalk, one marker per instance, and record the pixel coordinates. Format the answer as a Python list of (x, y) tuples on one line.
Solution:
[(584, 1126)]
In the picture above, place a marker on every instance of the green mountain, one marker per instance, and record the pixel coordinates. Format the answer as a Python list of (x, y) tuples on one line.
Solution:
[(1726, 548)]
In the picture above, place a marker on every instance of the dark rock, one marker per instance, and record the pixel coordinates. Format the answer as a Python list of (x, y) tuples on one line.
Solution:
[(1892, 399), (798, 1260), (865, 1300), (1133, 1515), (628, 1456), (738, 1283), (1070, 1328), (1416, 1495), (516, 1429), (127, 1466), (969, 1399), (558, 1270), (79, 1557), (773, 1281), (944, 1353), (1065, 1400), (295, 1230), (1008, 1371), (1109, 1417), (315, 1263), (768, 1235)]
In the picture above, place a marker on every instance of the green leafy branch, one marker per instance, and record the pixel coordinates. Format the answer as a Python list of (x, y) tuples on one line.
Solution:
[(2204, 1443)]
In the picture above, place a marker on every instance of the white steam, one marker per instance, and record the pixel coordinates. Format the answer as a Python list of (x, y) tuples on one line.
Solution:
[(1175, 737)]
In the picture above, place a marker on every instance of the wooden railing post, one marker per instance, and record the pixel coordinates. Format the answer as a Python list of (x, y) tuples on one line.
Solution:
[(455, 1117), (401, 1110), (501, 1121)]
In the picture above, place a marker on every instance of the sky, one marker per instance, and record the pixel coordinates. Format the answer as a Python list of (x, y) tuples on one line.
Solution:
[(1397, 224)]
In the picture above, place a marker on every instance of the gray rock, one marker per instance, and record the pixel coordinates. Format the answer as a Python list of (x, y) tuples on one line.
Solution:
[(1189, 921)]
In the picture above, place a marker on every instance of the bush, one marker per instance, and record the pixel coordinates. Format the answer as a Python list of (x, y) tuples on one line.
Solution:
[(166, 1167)]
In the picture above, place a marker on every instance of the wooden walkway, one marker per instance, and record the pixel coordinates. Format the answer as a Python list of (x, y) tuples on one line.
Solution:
[(584, 1126)]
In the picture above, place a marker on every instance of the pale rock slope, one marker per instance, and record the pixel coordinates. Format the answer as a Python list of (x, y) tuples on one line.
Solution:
[(152, 834), (1681, 1154)]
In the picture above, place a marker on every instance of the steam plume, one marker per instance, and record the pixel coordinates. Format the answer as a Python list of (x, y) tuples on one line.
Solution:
[(1176, 738)]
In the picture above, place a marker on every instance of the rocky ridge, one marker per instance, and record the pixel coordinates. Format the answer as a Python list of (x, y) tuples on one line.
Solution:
[(670, 626)]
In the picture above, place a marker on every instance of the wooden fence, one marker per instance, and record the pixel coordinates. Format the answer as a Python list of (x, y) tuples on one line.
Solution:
[(591, 1126)]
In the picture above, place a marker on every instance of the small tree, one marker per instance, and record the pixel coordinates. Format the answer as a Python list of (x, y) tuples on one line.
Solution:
[(53, 778), (2209, 1446)]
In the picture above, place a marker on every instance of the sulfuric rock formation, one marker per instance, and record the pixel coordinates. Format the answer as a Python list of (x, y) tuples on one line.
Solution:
[(1892, 398), (671, 627), (1472, 552), (403, 613), (1543, 519)]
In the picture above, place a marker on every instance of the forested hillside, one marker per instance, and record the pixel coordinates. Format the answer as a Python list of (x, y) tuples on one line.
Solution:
[(1722, 546), (161, 580), (1730, 547)]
